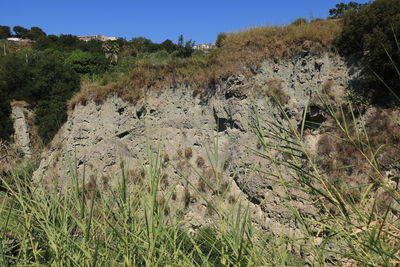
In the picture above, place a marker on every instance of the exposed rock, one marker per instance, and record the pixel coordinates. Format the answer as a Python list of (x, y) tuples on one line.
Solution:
[(97, 137), (20, 115)]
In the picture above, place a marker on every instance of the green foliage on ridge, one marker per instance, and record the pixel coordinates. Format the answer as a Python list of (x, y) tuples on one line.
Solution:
[(42, 79), (372, 33), (46, 71)]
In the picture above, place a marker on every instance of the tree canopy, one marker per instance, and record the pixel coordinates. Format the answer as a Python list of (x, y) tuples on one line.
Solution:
[(372, 33), (342, 8), (5, 32), (47, 72), (41, 79)]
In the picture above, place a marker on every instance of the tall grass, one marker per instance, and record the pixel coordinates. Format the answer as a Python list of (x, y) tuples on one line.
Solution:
[(348, 230), (133, 225), (127, 226)]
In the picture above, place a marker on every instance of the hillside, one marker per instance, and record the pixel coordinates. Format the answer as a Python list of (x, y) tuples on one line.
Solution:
[(239, 52), (278, 147)]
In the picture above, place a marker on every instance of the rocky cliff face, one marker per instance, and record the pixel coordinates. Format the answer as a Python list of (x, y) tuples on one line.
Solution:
[(201, 137), (20, 116)]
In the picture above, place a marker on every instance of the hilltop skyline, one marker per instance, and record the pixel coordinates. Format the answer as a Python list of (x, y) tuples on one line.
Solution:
[(158, 20)]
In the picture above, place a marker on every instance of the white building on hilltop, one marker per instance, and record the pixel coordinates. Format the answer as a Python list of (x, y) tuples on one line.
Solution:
[(96, 37), (204, 47), (14, 39)]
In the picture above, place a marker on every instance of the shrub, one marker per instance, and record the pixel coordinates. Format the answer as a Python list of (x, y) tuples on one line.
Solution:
[(188, 153), (6, 129), (299, 21), (220, 39), (342, 9), (87, 63), (50, 116), (43, 80), (275, 91), (371, 33)]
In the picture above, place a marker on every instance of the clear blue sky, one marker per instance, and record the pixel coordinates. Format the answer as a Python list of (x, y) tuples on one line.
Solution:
[(158, 20)]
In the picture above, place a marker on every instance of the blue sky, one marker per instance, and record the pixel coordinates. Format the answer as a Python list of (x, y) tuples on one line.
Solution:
[(158, 20)]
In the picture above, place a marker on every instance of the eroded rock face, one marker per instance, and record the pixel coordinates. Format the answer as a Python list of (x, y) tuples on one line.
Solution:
[(98, 137), (20, 115)]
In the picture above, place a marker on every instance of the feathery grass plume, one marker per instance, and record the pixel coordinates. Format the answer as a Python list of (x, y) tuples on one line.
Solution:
[(84, 227)]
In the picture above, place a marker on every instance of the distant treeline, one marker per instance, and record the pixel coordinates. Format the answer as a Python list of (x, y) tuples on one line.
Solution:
[(47, 72)]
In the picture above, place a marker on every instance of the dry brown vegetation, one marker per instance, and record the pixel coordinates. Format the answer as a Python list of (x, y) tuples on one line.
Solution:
[(188, 153), (15, 103), (239, 52), (347, 160), (15, 47), (274, 90), (200, 162)]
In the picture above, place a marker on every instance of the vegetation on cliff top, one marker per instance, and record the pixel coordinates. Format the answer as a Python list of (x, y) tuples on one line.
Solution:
[(371, 33), (237, 52), (45, 70), (358, 221), (368, 32)]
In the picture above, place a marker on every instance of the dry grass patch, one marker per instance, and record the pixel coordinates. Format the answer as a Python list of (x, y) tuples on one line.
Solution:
[(351, 161), (239, 53), (15, 103), (254, 45)]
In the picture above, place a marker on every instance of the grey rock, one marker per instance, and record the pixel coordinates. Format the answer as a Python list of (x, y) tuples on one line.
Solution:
[(98, 137), (20, 116)]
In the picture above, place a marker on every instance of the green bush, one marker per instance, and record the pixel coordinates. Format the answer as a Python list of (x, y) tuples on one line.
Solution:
[(5, 32), (42, 79), (371, 33), (50, 116), (342, 8), (87, 63)]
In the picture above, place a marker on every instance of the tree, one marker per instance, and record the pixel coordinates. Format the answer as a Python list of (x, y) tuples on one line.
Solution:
[(372, 33), (87, 63), (5, 32), (45, 42), (168, 46), (111, 50), (53, 85), (35, 33), (184, 49), (142, 44), (15, 76), (67, 42), (180, 40), (342, 8), (44, 81), (20, 32), (50, 116)]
